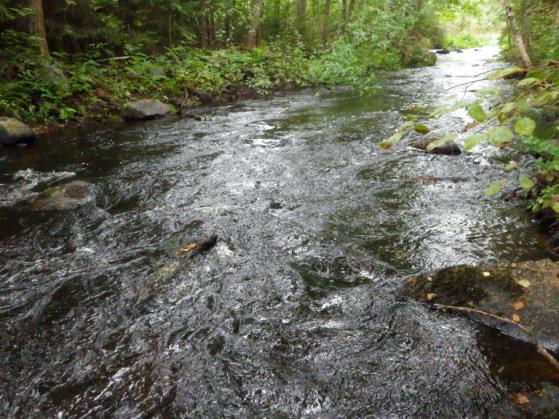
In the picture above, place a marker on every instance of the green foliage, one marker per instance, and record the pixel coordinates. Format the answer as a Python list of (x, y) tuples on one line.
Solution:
[(500, 136), (473, 141), (476, 111), (495, 188), (525, 127), (527, 184)]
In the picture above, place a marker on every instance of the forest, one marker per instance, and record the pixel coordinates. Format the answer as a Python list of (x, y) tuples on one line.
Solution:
[(64, 60), (279, 209)]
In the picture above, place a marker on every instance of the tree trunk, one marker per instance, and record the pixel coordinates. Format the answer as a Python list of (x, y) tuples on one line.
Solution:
[(326, 22), (38, 28), (253, 38), (302, 17), (343, 13), (517, 36), (350, 9)]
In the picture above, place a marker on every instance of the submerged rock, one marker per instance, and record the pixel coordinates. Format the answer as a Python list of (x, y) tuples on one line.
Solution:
[(14, 132), (449, 148), (526, 293), (69, 196), (146, 109)]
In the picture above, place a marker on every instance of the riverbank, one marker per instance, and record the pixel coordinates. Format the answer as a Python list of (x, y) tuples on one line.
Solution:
[(54, 95)]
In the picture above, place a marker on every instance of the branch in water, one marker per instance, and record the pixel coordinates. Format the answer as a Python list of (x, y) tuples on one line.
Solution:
[(544, 352)]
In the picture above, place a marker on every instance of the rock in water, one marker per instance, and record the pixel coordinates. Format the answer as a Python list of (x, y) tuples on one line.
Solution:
[(527, 293), (146, 109), (14, 132), (66, 197), (449, 148)]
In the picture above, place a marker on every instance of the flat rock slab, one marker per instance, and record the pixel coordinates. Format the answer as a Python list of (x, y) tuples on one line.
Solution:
[(67, 197), (14, 132), (146, 109), (526, 293)]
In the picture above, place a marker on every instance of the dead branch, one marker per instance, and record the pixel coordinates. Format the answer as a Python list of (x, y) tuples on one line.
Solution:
[(106, 60)]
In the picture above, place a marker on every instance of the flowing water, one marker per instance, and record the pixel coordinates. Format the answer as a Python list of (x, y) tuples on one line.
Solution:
[(296, 311)]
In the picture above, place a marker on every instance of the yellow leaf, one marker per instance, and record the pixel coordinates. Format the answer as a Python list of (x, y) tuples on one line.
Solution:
[(431, 296), (516, 318), (185, 249), (519, 305), (486, 274), (520, 398), (524, 283)]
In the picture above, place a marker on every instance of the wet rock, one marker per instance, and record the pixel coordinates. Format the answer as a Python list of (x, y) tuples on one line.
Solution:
[(419, 57), (14, 132), (275, 205), (443, 51), (146, 109), (450, 148), (69, 196), (527, 293), (54, 77)]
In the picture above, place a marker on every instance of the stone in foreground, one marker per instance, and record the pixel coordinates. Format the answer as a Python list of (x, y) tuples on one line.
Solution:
[(146, 109), (67, 197), (14, 132), (526, 293)]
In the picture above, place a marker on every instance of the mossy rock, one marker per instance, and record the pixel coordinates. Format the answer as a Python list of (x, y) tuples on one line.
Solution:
[(450, 148), (67, 197), (14, 132), (527, 293)]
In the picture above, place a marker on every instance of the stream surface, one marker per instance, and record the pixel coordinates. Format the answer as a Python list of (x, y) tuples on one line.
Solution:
[(296, 311)]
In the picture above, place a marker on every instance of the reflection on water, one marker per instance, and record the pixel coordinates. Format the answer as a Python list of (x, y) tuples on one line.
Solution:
[(295, 312)]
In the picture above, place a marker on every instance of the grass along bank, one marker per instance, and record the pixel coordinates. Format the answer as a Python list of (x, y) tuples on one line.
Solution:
[(61, 91)]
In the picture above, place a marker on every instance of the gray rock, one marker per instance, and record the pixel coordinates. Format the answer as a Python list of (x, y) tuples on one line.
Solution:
[(67, 197), (14, 132), (146, 109), (54, 77)]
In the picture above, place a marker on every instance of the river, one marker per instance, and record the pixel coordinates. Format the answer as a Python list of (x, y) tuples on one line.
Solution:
[(295, 312)]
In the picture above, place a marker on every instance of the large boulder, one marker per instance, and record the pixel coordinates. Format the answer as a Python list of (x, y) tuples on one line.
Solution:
[(526, 293), (70, 196), (14, 132), (146, 109)]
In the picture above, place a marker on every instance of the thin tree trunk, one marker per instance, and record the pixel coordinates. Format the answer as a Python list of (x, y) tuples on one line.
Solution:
[(38, 28), (343, 13), (302, 17), (326, 22), (517, 36), (253, 38), (350, 9)]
